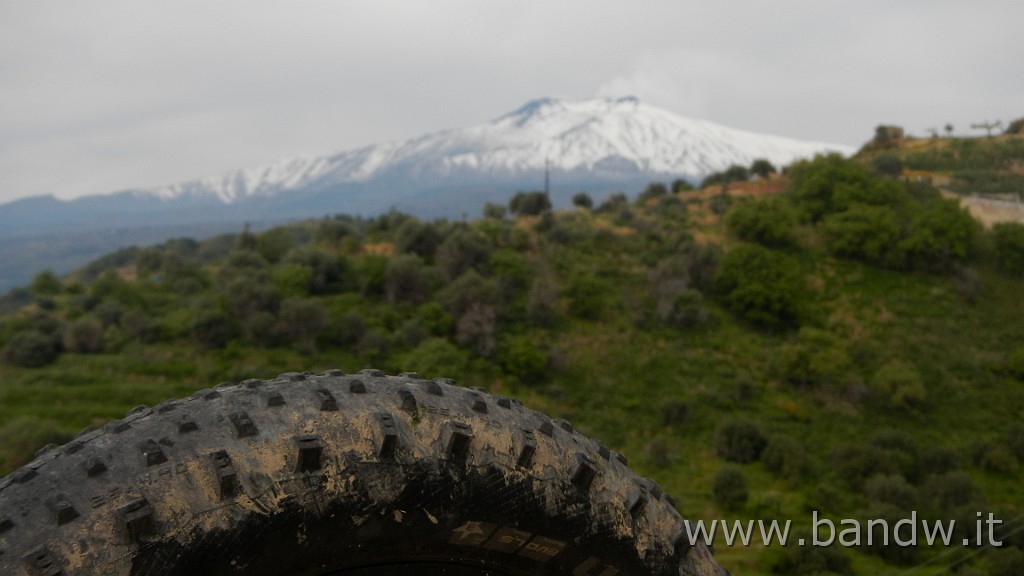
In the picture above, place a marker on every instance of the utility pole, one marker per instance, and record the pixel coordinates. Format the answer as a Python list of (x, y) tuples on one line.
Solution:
[(988, 126)]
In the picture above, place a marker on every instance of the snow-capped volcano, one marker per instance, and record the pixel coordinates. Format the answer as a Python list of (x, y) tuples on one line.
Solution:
[(619, 140), (599, 146)]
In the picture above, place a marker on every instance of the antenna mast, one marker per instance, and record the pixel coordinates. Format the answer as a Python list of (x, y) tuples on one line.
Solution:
[(547, 178)]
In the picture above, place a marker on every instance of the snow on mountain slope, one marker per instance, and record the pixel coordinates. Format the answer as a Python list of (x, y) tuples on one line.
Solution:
[(570, 136)]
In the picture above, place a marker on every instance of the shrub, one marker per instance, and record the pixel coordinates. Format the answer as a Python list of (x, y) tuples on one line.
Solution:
[(813, 183), (45, 283), (23, 436), (542, 301), (494, 211), (524, 358), (679, 185), (436, 357), (762, 168), (419, 238), (674, 411), (729, 488), (863, 232), (529, 203), (469, 289), (951, 490), (1008, 238), (739, 441), (31, 349), (212, 329), (582, 200), (407, 279), (653, 191), (301, 321), (770, 221), (84, 336), (587, 296), (760, 286), (891, 489), (941, 233), (785, 457), (888, 165), (476, 328), (900, 383), (464, 249)]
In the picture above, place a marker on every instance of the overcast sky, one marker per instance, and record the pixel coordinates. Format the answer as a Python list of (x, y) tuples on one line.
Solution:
[(102, 95)]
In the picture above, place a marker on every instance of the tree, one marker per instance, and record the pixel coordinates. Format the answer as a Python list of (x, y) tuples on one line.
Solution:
[(529, 203), (301, 322), (542, 301), (770, 221), (1008, 239), (760, 286), (582, 200), (762, 168)]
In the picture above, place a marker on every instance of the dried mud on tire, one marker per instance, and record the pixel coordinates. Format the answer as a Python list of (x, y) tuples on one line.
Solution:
[(314, 474)]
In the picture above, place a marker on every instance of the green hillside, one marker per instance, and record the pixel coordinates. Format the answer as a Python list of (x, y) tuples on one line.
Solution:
[(830, 340)]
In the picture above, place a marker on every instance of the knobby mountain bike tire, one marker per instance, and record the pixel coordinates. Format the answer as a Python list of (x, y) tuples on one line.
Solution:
[(329, 473)]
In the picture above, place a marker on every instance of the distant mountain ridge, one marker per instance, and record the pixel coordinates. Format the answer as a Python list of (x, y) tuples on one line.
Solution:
[(596, 145)]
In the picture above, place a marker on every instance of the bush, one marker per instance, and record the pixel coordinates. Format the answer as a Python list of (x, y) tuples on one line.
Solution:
[(892, 490), (494, 211), (899, 383), (888, 165), (542, 301), (469, 289), (729, 488), (301, 321), (760, 286), (951, 490), (212, 329), (524, 358), (1008, 238), (31, 349), (813, 183), (739, 441), (941, 234), (436, 357), (84, 336), (674, 411), (407, 279), (770, 221), (587, 297), (463, 250), (863, 232), (679, 186), (582, 200), (762, 168), (45, 283), (785, 457), (419, 238), (476, 328), (653, 191), (529, 203), (23, 437)]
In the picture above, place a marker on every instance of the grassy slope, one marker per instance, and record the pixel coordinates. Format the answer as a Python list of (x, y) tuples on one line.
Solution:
[(611, 375)]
